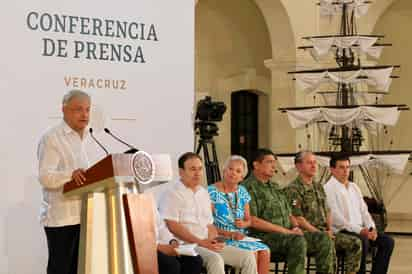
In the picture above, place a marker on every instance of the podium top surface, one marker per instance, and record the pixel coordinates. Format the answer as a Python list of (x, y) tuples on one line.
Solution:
[(113, 165)]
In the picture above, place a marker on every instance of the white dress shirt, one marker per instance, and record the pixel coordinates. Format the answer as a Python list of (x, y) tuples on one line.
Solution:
[(163, 235), (60, 152), (349, 210), (191, 209)]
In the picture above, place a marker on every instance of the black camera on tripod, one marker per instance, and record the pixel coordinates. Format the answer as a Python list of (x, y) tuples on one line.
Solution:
[(207, 113)]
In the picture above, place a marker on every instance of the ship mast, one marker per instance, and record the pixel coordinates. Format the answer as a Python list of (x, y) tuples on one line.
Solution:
[(347, 116)]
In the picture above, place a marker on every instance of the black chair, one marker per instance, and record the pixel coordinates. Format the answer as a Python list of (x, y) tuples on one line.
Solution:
[(340, 263), (310, 263), (230, 269), (340, 256), (370, 258), (279, 262)]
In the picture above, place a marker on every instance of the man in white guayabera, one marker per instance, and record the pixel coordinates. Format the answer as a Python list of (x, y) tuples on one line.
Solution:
[(350, 215), (187, 211), (62, 157)]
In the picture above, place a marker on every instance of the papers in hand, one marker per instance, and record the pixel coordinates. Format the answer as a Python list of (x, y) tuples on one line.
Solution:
[(250, 239), (187, 250)]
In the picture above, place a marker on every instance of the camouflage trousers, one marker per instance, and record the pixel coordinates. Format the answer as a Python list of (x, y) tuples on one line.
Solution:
[(294, 248), (351, 248), (321, 247)]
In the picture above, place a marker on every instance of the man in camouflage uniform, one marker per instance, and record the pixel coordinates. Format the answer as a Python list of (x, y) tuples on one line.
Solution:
[(309, 206), (272, 219)]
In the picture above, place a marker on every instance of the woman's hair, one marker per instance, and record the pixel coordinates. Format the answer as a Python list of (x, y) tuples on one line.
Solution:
[(234, 158)]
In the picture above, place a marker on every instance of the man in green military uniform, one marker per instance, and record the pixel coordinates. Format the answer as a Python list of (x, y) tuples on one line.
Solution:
[(309, 206), (272, 219)]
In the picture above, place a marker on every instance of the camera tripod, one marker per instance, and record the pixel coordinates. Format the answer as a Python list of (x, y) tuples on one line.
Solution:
[(211, 164)]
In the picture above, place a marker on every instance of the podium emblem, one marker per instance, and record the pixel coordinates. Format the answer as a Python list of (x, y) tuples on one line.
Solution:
[(143, 167)]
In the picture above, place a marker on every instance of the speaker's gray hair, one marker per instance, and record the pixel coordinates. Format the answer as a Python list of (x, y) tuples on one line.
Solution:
[(74, 93)]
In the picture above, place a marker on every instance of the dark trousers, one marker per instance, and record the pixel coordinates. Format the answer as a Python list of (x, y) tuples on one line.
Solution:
[(179, 265), (63, 245), (384, 246)]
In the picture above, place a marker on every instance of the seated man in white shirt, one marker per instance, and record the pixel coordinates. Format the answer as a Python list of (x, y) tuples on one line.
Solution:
[(350, 215), (62, 157), (186, 209)]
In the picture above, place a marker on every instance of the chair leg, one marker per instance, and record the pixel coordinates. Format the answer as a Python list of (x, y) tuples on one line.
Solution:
[(285, 268)]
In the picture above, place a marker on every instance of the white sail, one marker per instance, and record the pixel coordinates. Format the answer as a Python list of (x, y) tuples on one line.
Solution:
[(395, 162), (342, 116), (379, 78), (334, 7), (322, 46)]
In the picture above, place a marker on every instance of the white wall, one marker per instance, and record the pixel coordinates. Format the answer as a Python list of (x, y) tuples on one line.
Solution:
[(232, 42), (153, 112)]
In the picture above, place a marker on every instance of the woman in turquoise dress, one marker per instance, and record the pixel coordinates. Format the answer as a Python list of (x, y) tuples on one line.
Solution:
[(230, 205)]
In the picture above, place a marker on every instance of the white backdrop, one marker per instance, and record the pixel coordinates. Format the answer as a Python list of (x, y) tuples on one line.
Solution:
[(153, 111)]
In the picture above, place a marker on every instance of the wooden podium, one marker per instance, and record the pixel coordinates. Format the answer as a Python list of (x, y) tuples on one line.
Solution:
[(114, 176)]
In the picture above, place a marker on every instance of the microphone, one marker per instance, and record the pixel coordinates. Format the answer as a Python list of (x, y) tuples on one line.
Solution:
[(97, 142), (132, 148)]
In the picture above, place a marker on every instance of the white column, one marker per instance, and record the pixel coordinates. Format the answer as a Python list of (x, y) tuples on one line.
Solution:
[(282, 136)]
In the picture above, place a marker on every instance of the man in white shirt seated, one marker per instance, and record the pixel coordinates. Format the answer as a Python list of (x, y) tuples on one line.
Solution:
[(186, 209), (169, 260), (350, 215), (62, 157)]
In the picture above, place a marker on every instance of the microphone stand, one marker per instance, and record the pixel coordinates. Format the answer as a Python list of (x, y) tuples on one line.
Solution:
[(132, 148), (97, 142)]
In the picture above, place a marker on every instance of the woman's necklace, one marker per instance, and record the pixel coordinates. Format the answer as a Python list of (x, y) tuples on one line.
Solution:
[(234, 208)]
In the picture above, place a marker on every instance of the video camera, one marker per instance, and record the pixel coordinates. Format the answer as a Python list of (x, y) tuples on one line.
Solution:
[(207, 113)]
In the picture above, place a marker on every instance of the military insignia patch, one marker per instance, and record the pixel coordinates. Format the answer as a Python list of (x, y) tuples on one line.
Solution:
[(296, 203)]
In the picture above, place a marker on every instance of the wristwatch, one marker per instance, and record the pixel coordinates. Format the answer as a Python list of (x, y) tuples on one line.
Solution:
[(173, 241)]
